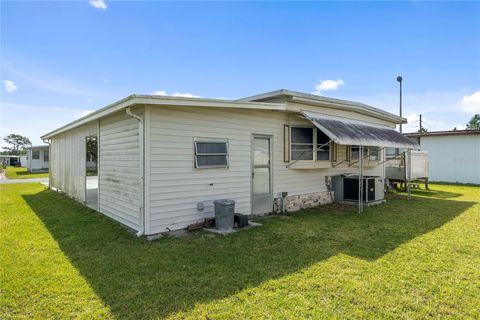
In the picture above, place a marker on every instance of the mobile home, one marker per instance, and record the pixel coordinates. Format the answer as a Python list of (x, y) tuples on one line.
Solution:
[(162, 161), (37, 158)]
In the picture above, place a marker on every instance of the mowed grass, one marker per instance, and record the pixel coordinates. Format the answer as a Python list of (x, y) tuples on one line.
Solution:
[(22, 173), (401, 260)]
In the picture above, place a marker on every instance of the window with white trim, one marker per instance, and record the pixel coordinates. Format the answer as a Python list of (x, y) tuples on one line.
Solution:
[(374, 153), (302, 142), (45, 155), (355, 153), (301, 145), (211, 153), (35, 154), (323, 147)]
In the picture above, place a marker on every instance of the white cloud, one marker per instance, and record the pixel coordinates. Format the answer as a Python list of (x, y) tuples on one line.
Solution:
[(99, 4), (105, 81), (83, 113), (328, 85), (184, 94), (89, 100), (471, 103), (175, 94), (9, 86)]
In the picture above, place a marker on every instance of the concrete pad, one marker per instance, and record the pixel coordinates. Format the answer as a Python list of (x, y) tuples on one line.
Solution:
[(250, 225)]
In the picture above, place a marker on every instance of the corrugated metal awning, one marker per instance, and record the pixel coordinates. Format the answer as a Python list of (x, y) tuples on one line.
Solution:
[(353, 132)]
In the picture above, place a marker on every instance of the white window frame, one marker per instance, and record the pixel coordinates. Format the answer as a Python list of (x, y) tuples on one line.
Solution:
[(377, 154), (365, 153), (33, 157), (210, 140), (314, 143)]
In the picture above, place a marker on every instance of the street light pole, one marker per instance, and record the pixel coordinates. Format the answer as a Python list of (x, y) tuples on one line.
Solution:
[(400, 79)]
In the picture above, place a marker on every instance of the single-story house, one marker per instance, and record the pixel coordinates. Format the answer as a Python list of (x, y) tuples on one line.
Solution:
[(12, 160), (38, 158), (454, 156), (162, 160)]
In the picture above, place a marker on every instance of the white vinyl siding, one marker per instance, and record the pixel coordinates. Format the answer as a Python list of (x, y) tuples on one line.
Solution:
[(119, 170), (41, 163), (176, 186), (67, 160)]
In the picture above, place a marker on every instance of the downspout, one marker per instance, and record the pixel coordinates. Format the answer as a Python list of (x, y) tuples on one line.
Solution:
[(142, 166)]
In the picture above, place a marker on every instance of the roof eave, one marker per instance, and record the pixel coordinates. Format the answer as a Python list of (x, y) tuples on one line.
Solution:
[(311, 99), (163, 101), (363, 109)]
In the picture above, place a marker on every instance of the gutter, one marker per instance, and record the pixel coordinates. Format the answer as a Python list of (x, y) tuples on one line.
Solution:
[(141, 130)]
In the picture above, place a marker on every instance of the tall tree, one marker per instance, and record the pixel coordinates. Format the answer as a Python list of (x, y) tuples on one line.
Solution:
[(474, 122), (16, 143)]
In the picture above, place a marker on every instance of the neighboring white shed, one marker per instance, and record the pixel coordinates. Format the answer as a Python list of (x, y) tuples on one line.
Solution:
[(162, 161), (454, 156), (37, 158)]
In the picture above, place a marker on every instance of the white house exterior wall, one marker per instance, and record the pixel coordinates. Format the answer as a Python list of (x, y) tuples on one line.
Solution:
[(453, 158), (119, 178), (176, 187), (38, 164), (67, 160)]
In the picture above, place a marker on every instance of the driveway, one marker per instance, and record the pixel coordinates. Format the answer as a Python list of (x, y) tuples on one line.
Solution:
[(12, 181)]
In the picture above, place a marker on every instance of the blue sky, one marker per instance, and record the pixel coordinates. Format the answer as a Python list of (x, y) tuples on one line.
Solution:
[(60, 60)]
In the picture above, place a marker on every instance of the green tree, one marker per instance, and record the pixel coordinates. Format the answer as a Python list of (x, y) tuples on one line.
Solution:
[(474, 122), (16, 144)]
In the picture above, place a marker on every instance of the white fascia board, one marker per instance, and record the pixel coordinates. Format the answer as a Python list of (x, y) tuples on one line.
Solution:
[(164, 101)]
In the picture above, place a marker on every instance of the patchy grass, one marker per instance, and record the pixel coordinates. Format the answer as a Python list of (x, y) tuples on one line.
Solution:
[(22, 173), (401, 260)]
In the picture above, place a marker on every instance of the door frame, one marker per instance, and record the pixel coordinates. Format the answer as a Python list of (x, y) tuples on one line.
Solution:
[(252, 140)]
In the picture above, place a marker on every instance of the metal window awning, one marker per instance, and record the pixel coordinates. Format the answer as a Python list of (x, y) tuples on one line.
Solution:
[(353, 132)]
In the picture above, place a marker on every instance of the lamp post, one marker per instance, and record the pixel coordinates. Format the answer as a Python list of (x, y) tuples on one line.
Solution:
[(400, 79)]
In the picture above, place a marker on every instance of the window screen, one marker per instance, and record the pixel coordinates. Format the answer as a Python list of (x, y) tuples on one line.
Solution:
[(36, 154), (302, 143), (323, 152), (374, 153), (45, 155), (210, 154), (391, 151), (355, 153)]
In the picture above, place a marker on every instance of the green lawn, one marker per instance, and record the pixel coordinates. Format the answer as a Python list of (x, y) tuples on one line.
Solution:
[(402, 260), (22, 173)]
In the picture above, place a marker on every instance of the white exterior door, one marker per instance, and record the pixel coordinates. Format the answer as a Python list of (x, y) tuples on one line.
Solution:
[(262, 201)]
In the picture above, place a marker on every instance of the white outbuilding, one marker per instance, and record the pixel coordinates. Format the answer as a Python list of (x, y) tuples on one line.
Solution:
[(162, 161), (454, 156)]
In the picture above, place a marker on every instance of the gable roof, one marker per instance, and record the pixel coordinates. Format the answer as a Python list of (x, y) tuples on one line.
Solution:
[(258, 102)]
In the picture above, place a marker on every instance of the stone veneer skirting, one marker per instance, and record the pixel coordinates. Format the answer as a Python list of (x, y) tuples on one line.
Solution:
[(302, 201)]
